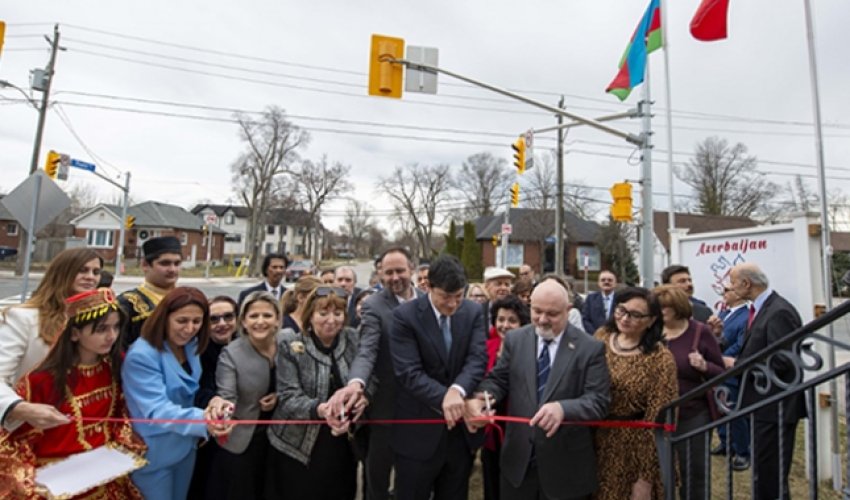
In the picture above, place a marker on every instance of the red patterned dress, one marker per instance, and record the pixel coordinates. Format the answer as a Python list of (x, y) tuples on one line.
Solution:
[(92, 391)]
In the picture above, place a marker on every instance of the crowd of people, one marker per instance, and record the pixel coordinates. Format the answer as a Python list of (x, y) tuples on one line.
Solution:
[(264, 395)]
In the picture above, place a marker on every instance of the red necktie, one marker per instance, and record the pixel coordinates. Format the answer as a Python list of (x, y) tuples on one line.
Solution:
[(751, 316)]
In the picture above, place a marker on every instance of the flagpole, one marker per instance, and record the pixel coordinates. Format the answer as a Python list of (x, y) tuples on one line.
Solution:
[(646, 236), (665, 44), (825, 243)]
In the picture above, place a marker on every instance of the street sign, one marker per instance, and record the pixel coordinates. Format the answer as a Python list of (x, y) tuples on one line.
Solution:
[(211, 219), (64, 163), (419, 80), (82, 165), (507, 229), (529, 138), (51, 202), (529, 149)]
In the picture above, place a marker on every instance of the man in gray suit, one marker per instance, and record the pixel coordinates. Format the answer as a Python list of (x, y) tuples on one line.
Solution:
[(568, 381), (373, 359)]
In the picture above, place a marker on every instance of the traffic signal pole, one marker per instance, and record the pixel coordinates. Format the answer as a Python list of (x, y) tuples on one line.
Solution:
[(647, 236), (119, 254)]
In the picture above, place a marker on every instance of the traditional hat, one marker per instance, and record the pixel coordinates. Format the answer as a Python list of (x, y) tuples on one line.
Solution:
[(164, 244), (88, 306), (492, 273)]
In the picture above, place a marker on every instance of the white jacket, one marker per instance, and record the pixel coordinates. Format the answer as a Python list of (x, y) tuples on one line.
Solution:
[(21, 349)]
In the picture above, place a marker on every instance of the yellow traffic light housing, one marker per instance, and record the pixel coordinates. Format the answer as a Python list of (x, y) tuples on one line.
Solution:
[(515, 195), (2, 35), (519, 154), (621, 210), (496, 238), (51, 165), (385, 77), (130, 222)]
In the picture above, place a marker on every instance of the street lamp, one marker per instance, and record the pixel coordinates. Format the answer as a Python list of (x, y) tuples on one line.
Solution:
[(5, 84)]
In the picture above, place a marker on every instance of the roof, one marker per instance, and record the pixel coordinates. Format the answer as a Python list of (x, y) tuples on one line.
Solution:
[(4, 214), (288, 217), (696, 223), (531, 224), (154, 214), (219, 210)]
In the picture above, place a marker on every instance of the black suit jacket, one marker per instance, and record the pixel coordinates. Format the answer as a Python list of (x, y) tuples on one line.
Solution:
[(244, 293), (593, 312), (579, 382), (352, 308), (776, 319), (424, 370)]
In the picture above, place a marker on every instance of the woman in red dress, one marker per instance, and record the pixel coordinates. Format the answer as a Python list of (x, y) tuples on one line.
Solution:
[(81, 378)]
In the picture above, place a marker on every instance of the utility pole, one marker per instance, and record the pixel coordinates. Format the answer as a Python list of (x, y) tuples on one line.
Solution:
[(119, 255), (646, 234), (36, 148), (559, 203)]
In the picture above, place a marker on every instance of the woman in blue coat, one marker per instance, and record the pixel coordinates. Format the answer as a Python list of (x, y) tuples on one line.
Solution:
[(161, 376)]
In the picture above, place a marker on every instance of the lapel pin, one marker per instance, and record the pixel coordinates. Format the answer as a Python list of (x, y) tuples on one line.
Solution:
[(571, 345)]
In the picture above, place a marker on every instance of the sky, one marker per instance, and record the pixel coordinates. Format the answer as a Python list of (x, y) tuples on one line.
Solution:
[(151, 87)]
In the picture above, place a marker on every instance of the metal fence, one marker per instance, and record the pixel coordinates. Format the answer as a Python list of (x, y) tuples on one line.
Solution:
[(797, 356)]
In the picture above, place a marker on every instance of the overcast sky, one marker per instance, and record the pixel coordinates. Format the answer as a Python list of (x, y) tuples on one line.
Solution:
[(200, 60)]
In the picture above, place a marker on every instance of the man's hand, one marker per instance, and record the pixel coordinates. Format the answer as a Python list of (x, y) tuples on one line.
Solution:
[(343, 401), (728, 362), (37, 415), (548, 418), (474, 410), (453, 406), (715, 324)]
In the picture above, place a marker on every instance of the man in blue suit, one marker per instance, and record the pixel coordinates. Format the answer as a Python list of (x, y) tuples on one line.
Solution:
[(597, 305), (439, 357)]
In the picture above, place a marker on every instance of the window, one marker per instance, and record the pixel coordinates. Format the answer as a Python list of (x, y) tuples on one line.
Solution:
[(299, 249), (283, 230), (12, 229), (269, 248), (270, 229), (229, 219), (184, 238), (233, 238), (100, 238), (301, 231)]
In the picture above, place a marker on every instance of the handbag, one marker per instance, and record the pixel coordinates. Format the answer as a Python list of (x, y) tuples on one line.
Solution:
[(713, 410)]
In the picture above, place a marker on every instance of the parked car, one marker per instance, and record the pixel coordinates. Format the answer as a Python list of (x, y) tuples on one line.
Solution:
[(300, 268), (345, 254), (8, 252)]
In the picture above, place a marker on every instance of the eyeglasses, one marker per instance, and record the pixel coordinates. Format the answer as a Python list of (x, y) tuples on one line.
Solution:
[(228, 317), (622, 312), (324, 291)]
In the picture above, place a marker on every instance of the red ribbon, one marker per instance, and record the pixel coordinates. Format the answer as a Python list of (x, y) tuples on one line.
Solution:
[(627, 424)]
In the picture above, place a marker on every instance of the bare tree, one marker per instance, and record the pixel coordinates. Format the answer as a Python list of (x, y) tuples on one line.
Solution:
[(416, 191), (356, 224), (272, 145), (484, 181), (313, 184), (578, 199), (542, 186), (726, 181)]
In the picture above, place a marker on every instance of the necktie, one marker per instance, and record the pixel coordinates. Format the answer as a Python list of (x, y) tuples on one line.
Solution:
[(447, 332), (607, 302), (751, 316), (543, 368)]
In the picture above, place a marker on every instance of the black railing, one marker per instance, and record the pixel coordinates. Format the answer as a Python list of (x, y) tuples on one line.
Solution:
[(794, 353)]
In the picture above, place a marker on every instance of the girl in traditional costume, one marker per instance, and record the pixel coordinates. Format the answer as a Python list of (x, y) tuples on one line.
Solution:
[(81, 377)]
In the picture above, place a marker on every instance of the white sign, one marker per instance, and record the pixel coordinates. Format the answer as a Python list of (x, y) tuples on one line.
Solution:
[(529, 138), (589, 258), (507, 229), (211, 219)]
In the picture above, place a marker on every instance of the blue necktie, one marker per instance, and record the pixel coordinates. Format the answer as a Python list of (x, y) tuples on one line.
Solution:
[(543, 368), (447, 332)]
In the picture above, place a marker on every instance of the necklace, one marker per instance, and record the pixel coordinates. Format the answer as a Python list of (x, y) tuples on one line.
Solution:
[(621, 348)]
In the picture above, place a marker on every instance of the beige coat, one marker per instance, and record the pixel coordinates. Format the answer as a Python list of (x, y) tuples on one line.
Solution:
[(21, 349)]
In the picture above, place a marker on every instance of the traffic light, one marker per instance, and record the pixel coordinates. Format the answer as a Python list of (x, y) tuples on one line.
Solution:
[(51, 165), (2, 35), (130, 222), (515, 195), (496, 238), (385, 77), (621, 210), (519, 154)]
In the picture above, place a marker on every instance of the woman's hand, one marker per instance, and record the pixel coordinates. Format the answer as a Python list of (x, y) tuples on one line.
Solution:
[(338, 426), (38, 415), (268, 402), (697, 361), (217, 412), (641, 490)]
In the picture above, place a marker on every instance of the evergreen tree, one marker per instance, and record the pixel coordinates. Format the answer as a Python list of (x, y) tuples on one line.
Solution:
[(613, 243), (471, 253), (452, 243)]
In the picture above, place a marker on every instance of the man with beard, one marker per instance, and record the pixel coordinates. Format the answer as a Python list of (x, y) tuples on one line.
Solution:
[(161, 267), (568, 370), (274, 268), (373, 359)]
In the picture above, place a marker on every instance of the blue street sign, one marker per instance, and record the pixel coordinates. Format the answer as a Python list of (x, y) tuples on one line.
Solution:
[(82, 165)]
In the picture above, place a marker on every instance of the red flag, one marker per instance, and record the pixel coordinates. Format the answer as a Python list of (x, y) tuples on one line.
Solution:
[(709, 22)]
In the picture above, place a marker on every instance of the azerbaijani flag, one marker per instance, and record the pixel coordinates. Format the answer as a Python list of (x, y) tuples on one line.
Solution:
[(645, 39)]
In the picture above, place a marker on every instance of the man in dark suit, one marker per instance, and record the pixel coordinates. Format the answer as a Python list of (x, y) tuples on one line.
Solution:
[(439, 357), (597, 305), (550, 371), (346, 278), (373, 360), (274, 268), (770, 318), (680, 276)]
